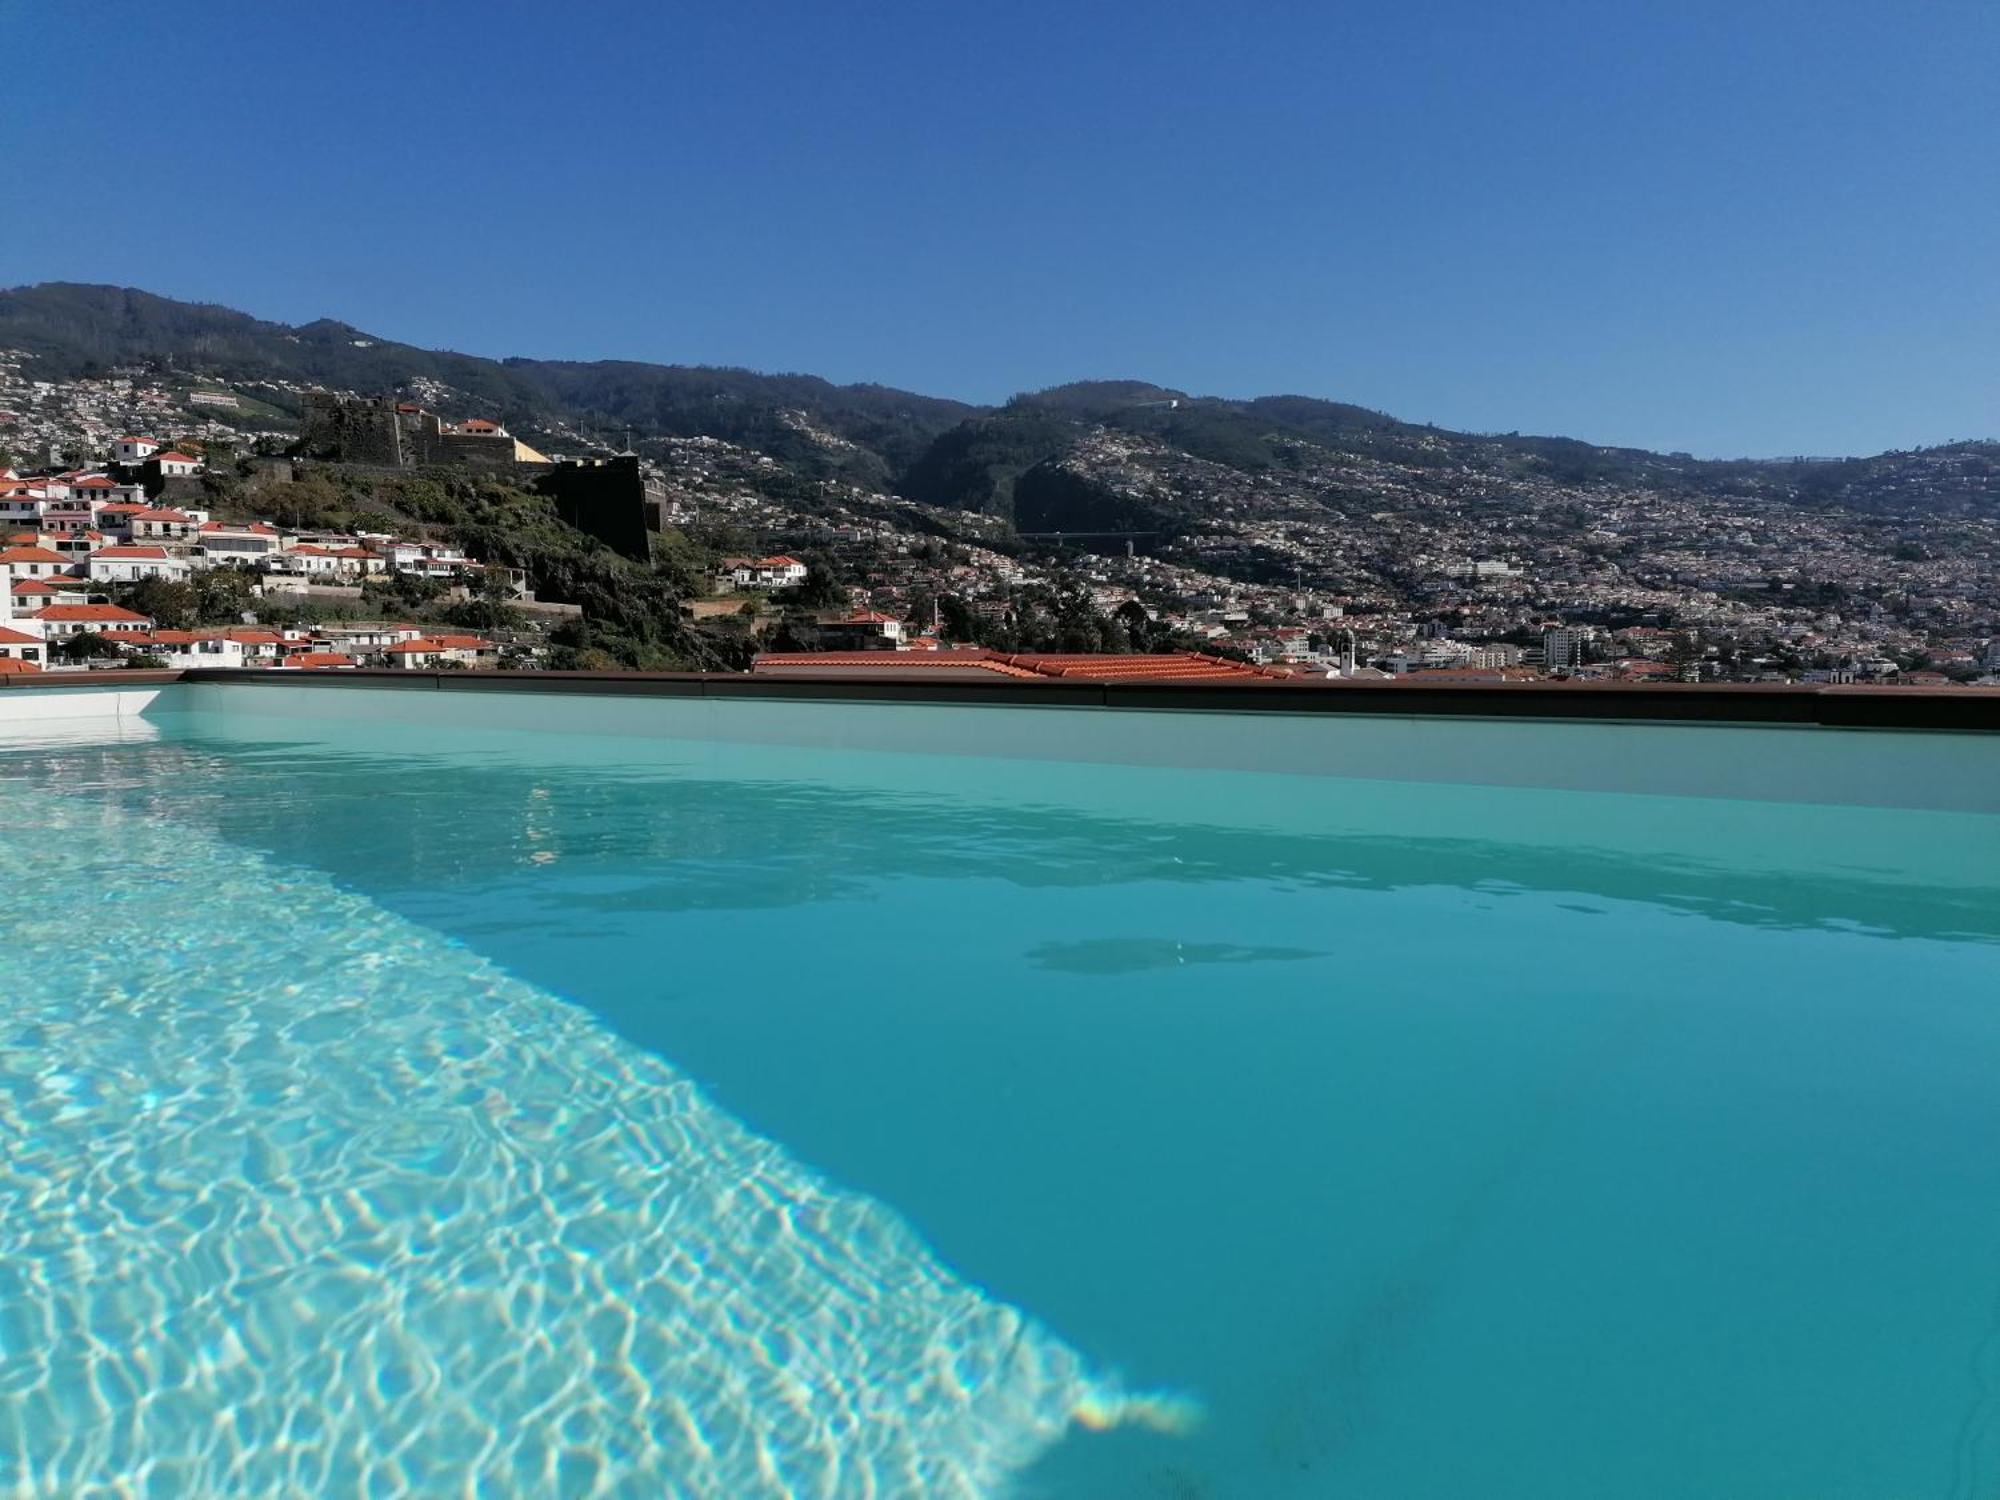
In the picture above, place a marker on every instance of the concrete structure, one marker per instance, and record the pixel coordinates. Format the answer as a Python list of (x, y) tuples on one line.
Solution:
[(1563, 647), (611, 498)]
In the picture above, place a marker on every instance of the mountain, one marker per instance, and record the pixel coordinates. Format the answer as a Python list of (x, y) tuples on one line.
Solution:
[(1109, 455), (74, 330)]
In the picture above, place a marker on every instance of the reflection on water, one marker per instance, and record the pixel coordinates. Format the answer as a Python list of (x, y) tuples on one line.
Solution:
[(1136, 955)]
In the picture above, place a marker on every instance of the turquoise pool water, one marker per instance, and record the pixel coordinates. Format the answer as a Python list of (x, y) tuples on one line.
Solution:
[(384, 1106)]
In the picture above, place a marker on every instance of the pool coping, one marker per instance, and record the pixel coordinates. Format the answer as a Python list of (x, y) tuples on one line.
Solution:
[(1966, 709)]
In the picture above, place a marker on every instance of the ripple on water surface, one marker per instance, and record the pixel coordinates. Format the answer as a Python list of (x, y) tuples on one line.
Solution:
[(301, 1198)]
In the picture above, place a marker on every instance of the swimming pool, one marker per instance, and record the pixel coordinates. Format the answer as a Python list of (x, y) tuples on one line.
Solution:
[(820, 1099)]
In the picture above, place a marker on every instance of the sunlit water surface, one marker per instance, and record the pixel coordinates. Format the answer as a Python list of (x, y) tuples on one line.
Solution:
[(385, 1111)]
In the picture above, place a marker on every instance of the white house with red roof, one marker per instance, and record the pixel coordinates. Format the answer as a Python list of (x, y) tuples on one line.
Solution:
[(59, 620), (226, 541), (159, 524), (32, 562), (778, 572), (364, 639), (131, 563), (116, 519), (176, 465), (134, 450), (23, 504), (18, 645), (431, 651), (27, 595), (74, 545), (423, 559)]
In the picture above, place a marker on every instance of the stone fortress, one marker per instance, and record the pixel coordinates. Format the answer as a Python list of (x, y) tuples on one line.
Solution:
[(392, 434), (612, 498)]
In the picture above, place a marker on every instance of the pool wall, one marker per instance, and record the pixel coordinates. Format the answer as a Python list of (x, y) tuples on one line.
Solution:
[(1935, 769)]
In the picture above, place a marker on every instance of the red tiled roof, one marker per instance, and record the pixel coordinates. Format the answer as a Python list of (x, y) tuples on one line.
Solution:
[(30, 555), (172, 457), (109, 614), (321, 660), (10, 664), (423, 645), (975, 659), (163, 515), (149, 554), (1174, 667), (1179, 666), (9, 637)]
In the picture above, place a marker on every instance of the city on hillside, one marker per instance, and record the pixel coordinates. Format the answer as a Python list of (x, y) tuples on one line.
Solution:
[(156, 517)]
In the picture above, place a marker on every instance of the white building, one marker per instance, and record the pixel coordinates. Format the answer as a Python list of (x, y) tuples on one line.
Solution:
[(130, 564), (225, 542), (32, 562), (1564, 647), (437, 650), (161, 525), (59, 620)]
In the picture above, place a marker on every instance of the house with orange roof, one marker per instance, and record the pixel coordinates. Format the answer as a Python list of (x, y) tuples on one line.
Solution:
[(59, 620), (26, 595), (20, 645), (975, 662), (134, 450), (23, 505), (175, 465), (432, 651), (74, 545), (129, 564), (116, 518), (32, 562), (228, 541)]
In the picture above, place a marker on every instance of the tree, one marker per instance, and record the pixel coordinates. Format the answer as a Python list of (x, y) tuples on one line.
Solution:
[(222, 595), (85, 645), (960, 623), (820, 590), (171, 605)]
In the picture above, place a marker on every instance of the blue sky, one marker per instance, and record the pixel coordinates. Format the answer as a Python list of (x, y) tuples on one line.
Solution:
[(1761, 226)]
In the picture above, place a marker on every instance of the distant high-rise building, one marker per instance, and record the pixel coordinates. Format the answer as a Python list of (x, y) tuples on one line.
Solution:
[(1563, 647)]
